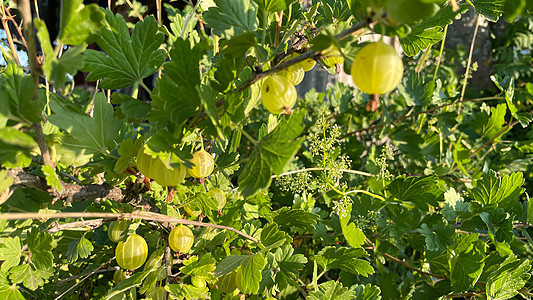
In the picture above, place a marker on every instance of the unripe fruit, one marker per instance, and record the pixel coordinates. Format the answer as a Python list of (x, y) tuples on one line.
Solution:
[(133, 253), (295, 74), (158, 293), (155, 168), (308, 64), (332, 56), (377, 68), (218, 195), (203, 164), (181, 238), (410, 11), (278, 94), (118, 230), (119, 275)]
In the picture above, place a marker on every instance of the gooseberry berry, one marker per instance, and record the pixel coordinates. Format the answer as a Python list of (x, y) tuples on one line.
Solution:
[(410, 11), (278, 94), (203, 164), (119, 275), (332, 56), (155, 168), (181, 238), (132, 253), (218, 195), (118, 230), (295, 74), (377, 68)]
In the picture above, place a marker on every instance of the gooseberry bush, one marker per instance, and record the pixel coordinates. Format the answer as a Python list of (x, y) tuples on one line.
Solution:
[(167, 178)]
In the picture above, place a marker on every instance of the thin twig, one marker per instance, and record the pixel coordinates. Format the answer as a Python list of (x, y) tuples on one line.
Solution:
[(137, 215), (59, 227), (465, 295), (71, 278), (9, 37), (403, 263), (465, 80)]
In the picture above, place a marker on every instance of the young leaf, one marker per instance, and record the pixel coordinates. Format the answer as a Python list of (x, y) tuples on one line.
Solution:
[(79, 248), (504, 191), (51, 177), (289, 265), (203, 267), (367, 292), (271, 154), (79, 23), (128, 60), (346, 259), (511, 276), (10, 252), (95, 135), (188, 292), (40, 245), (232, 17), (332, 290)]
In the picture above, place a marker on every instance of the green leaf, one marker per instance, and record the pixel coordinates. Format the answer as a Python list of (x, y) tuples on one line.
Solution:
[(354, 236), (80, 23), (438, 237), (18, 90), (128, 59), (203, 267), (187, 291), (238, 45), (232, 17), (506, 85), (454, 204), (229, 264), (127, 149), (272, 5), (502, 191), (286, 217), (367, 292), (346, 259), (331, 290), (79, 248), (15, 147), (490, 9), (510, 276), (429, 31), (40, 245), (94, 135), (10, 292), (31, 277), (51, 177), (490, 121), (177, 93), (467, 267), (289, 265), (271, 235), (271, 153), (422, 191), (10, 252), (127, 284), (415, 91), (251, 273)]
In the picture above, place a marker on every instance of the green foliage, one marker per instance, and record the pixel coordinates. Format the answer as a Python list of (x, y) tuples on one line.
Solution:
[(421, 193)]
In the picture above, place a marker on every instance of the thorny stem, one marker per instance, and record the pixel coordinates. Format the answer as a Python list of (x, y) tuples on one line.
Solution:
[(9, 37), (465, 80), (136, 215)]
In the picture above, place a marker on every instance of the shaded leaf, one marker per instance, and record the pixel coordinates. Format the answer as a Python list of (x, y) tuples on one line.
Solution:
[(346, 259), (80, 23), (331, 290)]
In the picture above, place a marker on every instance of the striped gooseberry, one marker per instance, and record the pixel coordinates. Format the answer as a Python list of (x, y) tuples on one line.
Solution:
[(203, 164), (278, 94), (132, 253), (181, 238)]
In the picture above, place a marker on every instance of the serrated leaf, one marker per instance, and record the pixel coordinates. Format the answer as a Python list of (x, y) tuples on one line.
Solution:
[(490, 121), (354, 236), (490, 9), (289, 265), (17, 91), (367, 292), (346, 259), (14, 146), (271, 153), (415, 91), (40, 245), (127, 150), (177, 96), (79, 248), (10, 252), (422, 191), (51, 177), (510, 276), (95, 135), (10, 292), (131, 108), (271, 235), (272, 5), (229, 264), (296, 217), (251, 268), (203, 267), (232, 17), (438, 237), (80, 23), (502, 191), (127, 59), (187, 291), (331, 290), (238, 45), (466, 268), (31, 277)]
